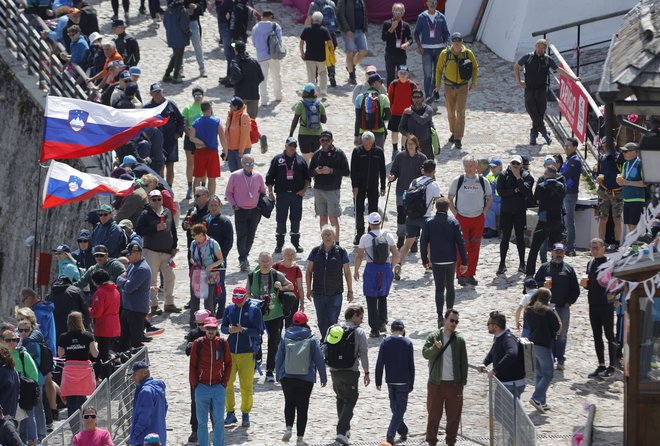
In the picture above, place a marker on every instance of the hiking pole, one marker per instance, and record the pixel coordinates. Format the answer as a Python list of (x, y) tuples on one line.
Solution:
[(387, 197)]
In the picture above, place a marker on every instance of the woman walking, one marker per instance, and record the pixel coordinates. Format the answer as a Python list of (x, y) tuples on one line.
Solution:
[(293, 273)]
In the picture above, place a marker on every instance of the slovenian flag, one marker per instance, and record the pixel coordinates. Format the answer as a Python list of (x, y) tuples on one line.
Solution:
[(75, 128), (64, 184)]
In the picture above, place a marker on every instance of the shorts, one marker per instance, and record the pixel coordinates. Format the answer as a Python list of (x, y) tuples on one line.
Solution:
[(607, 199), (393, 124), (188, 145), (308, 143), (414, 227), (207, 163), (326, 202), (171, 150), (632, 212), (357, 43)]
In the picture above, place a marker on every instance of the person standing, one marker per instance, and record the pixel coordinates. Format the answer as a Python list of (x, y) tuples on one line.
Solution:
[(537, 66), (91, 435), (105, 311), (220, 229), (470, 198), (397, 37), (571, 170), (195, 9), (190, 113), (205, 256), (452, 68), (204, 134), (149, 406), (298, 377), (327, 168), (177, 31), (396, 356), (313, 41), (288, 175), (210, 367), (107, 232), (270, 67), (293, 273), (352, 18), (223, 10), (310, 112), (126, 44), (448, 363), (367, 168), (246, 76), (631, 180), (493, 215), (610, 199), (372, 109), (417, 121), (237, 133), (243, 190), (135, 285), (399, 93), (195, 333), (431, 35)]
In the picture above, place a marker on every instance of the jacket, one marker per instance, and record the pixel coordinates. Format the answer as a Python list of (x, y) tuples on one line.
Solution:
[(367, 167), (128, 47), (406, 168), (447, 68), (327, 275), (67, 298), (297, 333), (9, 387), (458, 353), (149, 411), (33, 346), (596, 293), (237, 130), (507, 364), (160, 241), (67, 268), (248, 316), (549, 195), (397, 357), (8, 434), (565, 287), (46, 320), (346, 15), (105, 311), (572, 169), (422, 34), (260, 34), (245, 75), (543, 327), (174, 126), (132, 205), (212, 366), (515, 193), (443, 233), (334, 158), (220, 229), (112, 266), (110, 235), (418, 123), (177, 26), (135, 287), (278, 173)]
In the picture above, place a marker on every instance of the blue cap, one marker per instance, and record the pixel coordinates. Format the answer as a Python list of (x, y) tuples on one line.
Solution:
[(236, 102), (128, 159), (118, 23), (135, 70), (309, 88), (62, 248), (139, 365), (495, 162), (152, 438)]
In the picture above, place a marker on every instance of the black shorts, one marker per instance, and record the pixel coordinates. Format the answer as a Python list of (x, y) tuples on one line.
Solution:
[(632, 212), (393, 124), (188, 145), (414, 227), (171, 150), (308, 143)]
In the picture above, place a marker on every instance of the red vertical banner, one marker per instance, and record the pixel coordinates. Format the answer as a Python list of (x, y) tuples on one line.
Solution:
[(574, 106)]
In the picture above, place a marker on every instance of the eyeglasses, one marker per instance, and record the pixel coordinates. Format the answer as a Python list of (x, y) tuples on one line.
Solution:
[(453, 321), (89, 416), (104, 214), (249, 163), (99, 255), (156, 199), (23, 330), (83, 241)]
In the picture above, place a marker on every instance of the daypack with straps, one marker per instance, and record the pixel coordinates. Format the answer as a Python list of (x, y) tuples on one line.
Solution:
[(46, 361), (275, 47), (414, 199), (380, 248), (297, 355), (342, 354), (370, 118), (464, 64), (329, 16), (312, 114), (461, 179), (395, 83), (254, 131), (546, 59)]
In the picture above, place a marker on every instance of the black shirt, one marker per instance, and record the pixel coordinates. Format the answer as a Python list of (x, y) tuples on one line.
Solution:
[(334, 158), (402, 34), (315, 37), (76, 345), (287, 174), (596, 294), (543, 327), (537, 69), (565, 287)]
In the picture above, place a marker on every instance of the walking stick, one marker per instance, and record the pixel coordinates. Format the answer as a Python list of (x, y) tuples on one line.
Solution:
[(387, 197)]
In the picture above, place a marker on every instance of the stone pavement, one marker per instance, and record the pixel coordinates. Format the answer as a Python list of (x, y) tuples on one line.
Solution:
[(497, 125)]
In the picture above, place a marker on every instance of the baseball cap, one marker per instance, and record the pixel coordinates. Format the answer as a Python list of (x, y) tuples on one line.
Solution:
[(517, 158), (128, 159), (374, 78), (309, 88), (132, 247), (549, 159), (135, 70), (152, 438), (131, 88), (115, 63), (139, 365), (558, 247), (84, 234), (126, 223), (155, 193), (99, 249), (334, 335), (118, 23), (236, 101), (201, 315), (300, 318), (397, 325), (211, 322), (105, 208), (403, 68), (238, 295), (155, 87), (456, 37), (327, 133), (530, 283), (374, 218), (93, 37), (630, 146), (291, 141), (495, 162), (62, 248), (124, 75), (371, 69), (238, 46)]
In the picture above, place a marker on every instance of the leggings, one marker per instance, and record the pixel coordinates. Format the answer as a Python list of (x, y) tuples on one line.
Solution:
[(115, 6), (509, 221), (601, 318), (296, 399)]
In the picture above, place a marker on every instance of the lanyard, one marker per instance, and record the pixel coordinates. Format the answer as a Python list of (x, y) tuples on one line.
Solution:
[(431, 23), (632, 166), (289, 170)]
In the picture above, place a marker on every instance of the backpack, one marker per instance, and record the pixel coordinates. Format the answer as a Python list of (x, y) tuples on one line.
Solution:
[(370, 118), (46, 363), (526, 352), (380, 248), (254, 132), (342, 354), (297, 355), (313, 114), (275, 47), (465, 66), (414, 199), (329, 17), (29, 389), (460, 183)]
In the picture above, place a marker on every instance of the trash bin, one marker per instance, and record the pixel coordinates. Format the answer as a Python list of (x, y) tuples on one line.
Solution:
[(586, 223)]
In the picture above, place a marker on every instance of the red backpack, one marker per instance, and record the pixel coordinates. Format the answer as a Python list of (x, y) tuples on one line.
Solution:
[(254, 132)]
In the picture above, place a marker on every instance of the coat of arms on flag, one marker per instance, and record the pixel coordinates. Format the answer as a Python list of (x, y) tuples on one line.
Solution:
[(78, 119)]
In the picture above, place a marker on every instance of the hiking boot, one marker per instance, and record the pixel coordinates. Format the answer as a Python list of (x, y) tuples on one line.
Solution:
[(538, 406), (383, 328), (397, 271), (263, 143), (547, 138), (154, 331), (596, 373), (351, 77), (501, 269), (521, 267), (358, 236), (470, 280), (230, 418), (155, 311), (458, 144), (171, 308), (245, 422), (245, 265), (461, 281), (333, 82), (278, 249), (451, 139), (287, 434), (299, 249), (532, 138), (167, 78)]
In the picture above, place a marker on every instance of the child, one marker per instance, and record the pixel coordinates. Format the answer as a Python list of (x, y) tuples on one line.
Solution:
[(400, 95)]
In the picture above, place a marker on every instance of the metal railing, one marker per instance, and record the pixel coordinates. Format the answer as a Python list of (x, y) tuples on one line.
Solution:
[(113, 400), (509, 424)]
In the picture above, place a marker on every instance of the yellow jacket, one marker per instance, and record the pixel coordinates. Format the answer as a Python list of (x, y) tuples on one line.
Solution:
[(450, 67)]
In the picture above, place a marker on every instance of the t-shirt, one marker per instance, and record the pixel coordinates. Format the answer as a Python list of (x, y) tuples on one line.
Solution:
[(76, 345), (359, 15), (537, 69), (447, 360), (277, 277), (206, 251), (301, 112), (292, 273), (366, 242), (470, 198), (315, 37), (191, 112), (432, 191), (206, 129), (97, 437)]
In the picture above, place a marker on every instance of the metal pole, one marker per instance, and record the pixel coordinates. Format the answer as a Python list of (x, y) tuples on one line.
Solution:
[(609, 131), (578, 51), (491, 428)]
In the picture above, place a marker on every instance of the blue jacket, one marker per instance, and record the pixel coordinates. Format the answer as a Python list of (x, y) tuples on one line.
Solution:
[(248, 316), (9, 386), (110, 235), (177, 26), (149, 411), (66, 267), (396, 356), (422, 29), (445, 236), (317, 362), (46, 321), (135, 287), (57, 35), (572, 169)]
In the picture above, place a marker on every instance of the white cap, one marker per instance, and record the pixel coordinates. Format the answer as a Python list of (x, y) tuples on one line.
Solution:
[(374, 218), (93, 37), (155, 193), (517, 158)]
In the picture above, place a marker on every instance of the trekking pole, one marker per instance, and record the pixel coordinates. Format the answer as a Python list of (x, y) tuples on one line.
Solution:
[(387, 197)]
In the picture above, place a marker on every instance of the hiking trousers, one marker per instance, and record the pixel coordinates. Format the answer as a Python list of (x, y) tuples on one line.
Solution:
[(473, 229), (345, 385), (456, 101), (243, 365)]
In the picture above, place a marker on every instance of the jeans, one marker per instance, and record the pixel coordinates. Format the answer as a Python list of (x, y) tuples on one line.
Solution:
[(559, 347), (234, 159), (493, 213), (376, 312), (132, 329), (227, 50), (40, 416), (570, 200), (398, 404), (196, 40), (327, 311), (536, 102), (371, 194), (345, 385), (296, 400), (270, 68), (274, 330), (245, 222), (288, 205), (205, 396), (443, 276), (544, 372), (28, 427), (516, 391), (429, 62)]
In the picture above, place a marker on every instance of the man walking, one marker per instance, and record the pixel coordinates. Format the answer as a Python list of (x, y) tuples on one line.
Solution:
[(571, 169), (237, 133), (243, 191), (149, 406), (352, 18), (431, 35), (372, 109), (204, 134), (245, 75), (367, 168), (135, 286), (270, 66), (442, 239), (417, 120), (397, 37), (310, 112), (313, 41), (448, 363), (470, 198), (455, 63), (288, 175)]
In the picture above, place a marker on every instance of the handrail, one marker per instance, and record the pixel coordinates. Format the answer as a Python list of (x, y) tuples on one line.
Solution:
[(579, 23)]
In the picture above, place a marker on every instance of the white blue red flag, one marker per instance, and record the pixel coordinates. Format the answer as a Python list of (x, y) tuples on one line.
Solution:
[(75, 128), (64, 184)]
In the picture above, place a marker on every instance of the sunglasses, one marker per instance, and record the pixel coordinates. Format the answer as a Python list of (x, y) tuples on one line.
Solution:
[(202, 195), (418, 97), (89, 416), (83, 241), (250, 163), (515, 163), (10, 340), (211, 328), (23, 330), (100, 255), (453, 321), (104, 214), (156, 199)]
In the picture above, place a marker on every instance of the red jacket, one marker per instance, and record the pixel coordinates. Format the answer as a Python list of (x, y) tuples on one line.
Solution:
[(105, 311), (214, 363)]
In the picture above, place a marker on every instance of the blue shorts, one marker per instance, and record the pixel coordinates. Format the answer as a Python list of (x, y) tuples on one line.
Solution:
[(357, 43)]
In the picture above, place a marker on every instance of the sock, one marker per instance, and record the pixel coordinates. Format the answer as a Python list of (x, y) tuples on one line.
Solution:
[(395, 147)]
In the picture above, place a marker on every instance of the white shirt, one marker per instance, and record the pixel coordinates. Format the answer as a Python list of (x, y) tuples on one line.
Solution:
[(367, 244), (447, 360), (471, 199)]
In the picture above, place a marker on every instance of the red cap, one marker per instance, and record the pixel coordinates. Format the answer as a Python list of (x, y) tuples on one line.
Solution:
[(239, 295), (300, 318), (211, 322)]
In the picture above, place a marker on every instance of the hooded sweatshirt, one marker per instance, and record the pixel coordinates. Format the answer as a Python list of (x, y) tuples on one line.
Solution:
[(66, 298), (66, 267), (149, 411), (46, 320), (297, 333), (237, 130)]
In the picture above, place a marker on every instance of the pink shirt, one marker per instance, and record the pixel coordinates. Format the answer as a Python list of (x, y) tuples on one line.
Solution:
[(97, 437), (243, 191)]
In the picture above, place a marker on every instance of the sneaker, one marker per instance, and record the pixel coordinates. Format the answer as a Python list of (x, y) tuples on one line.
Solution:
[(607, 372), (245, 265), (612, 248), (171, 308), (397, 271), (154, 331), (342, 439), (402, 437), (597, 372), (538, 406), (143, 11), (461, 281), (560, 366), (155, 311), (545, 407), (192, 438), (389, 439), (351, 78), (263, 143), (278, 249), (300, 441), (451, 139), (177, 80), (547, 138), (269, 377), (187, 306), (299, 249), (230, 418), (287, 434), (383, 328), (458, 144), (245, 421), (521, 268), (490, 233), (374, 334), (470, 280), (202, 73), (501, 270)]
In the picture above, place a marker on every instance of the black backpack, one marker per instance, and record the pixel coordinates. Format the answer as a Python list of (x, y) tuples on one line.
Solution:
[(29, 389), (414, 199), (46, 363), (342, 354), (465, 66), (380, 248)]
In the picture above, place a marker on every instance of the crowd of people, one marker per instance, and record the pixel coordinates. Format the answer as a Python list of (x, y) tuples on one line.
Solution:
[(109, 289)]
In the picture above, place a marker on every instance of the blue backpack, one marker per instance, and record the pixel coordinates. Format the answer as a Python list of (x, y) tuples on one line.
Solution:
[(312, 114), (329, 15)]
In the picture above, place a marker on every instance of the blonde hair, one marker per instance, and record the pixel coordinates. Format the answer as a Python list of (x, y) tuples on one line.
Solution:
[(27, 313), (74, 322)]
